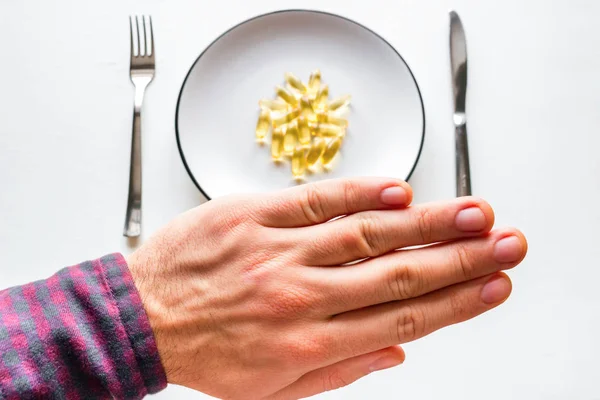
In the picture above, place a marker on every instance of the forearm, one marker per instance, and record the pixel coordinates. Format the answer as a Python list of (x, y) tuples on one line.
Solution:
[(82, 333)]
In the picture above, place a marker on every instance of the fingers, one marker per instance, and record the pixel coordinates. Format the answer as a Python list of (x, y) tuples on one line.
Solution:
[(411, 273), (341, 374), (373, 233), (381, 326), (318, 202)]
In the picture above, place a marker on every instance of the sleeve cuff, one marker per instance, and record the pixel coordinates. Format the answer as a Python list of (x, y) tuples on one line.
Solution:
[(135, 321)]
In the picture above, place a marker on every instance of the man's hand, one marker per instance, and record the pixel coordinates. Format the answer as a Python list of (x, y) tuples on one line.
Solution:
[(274, 297)]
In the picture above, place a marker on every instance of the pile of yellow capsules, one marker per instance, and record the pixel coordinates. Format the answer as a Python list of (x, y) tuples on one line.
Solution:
[(304, 124)]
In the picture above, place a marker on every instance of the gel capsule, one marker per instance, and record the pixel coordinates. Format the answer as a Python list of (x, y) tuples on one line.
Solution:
[(262, 126), (304, 134), (285, 94), (273, 105), (290, 138), (339, 103), (320, 101), (277, 143), (315, 152), (299, 163), (285, 117), (314, 81), (294, 82), (331, 150), (322, 129), (305, 107), (324, 117)]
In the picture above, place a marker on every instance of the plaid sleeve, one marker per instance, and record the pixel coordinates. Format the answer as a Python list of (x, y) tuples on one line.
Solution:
[(80, 334)]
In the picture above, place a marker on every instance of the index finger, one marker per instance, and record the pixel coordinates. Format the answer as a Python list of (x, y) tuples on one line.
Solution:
[(318, 202)]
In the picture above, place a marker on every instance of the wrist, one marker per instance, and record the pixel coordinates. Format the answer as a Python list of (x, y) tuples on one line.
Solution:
[(149, 289)]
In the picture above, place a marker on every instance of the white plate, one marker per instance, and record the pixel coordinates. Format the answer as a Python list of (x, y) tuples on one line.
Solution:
[(218, 108)]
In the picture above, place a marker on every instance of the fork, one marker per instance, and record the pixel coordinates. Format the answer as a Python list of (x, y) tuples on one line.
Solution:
[(142, 66)]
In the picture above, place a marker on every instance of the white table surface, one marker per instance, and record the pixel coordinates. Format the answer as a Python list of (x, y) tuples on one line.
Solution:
[(534, 125)]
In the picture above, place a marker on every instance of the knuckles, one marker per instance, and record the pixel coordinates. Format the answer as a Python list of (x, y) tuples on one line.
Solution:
[(287, 301), (302, 350), (230, 214), (313, 205), (459, 306), (466, 261), (228, 222), (410, 324), (353, 194), (404, 282), (365, 235), (369, 235), (425, 222)]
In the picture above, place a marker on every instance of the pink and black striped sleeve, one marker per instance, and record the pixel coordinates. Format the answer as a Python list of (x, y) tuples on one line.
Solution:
[(80, 334)]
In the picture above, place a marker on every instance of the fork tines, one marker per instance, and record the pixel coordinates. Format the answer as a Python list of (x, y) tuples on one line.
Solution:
[(142, 37)]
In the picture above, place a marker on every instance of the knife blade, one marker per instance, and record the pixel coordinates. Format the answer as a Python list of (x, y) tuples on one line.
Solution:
[(458, 63)]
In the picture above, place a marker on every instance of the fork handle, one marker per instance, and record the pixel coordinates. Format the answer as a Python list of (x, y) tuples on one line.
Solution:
[(463, 173), (133, 217)]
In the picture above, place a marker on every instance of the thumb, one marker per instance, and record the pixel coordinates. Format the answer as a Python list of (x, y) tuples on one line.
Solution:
[(341, 374)]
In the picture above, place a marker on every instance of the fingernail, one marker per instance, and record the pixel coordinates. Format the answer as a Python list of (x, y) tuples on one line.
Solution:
[(384, 363), (394, 196), (470, 220), (508, 249), (495, 290)]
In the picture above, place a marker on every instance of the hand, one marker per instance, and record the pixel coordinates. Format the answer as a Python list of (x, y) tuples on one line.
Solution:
[(262, 297)]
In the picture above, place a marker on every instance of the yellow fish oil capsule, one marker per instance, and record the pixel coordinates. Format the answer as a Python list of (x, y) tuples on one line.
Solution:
[(330, 151), (330, 118), (315, 152), (322, 129), (294, 82), (321, 98), (286, 96), (263, 124), (273, 105), (314, 81), (304, 134), (305, 126), (277, 143), (290, 138), (299, 163), (284, 118), (339, 103), (305, 107)]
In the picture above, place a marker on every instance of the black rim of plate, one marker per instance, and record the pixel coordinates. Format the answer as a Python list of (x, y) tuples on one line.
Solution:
[(185, 164)]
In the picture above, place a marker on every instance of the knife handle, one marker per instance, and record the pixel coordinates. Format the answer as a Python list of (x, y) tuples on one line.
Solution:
[(463, 173)]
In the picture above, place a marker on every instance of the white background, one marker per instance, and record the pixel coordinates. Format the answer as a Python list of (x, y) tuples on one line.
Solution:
[(534, 125)]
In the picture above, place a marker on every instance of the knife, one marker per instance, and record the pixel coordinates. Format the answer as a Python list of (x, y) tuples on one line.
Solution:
[(458, 62)]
